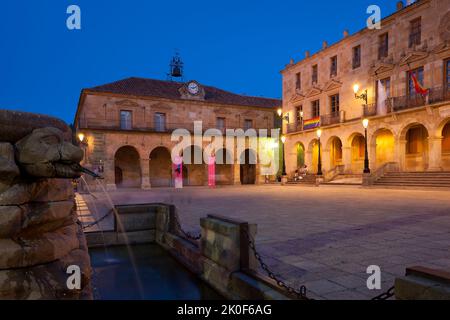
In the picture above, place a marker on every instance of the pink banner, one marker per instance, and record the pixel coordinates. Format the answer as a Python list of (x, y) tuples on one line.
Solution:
[(177, 169), (212, 172)]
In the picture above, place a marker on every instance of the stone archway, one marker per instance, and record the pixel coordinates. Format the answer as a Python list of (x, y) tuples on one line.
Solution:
[(384, 147), (160, 167), (224, 167), (194, 168), (445, 152), (300, 154), (127, 168), (313, 150), (334, 145), (248, 162), (357, 153), (416, 147)]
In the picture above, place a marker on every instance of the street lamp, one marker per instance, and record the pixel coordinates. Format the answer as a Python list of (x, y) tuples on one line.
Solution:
[(283, 140), (319, 161), (362, 96), (366, 152), (81, 137)]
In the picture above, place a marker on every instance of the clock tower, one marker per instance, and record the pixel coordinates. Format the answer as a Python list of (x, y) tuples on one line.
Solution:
[(192, 90)]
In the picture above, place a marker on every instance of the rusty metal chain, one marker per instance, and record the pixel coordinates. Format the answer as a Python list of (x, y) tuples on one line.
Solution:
[(97, 221), (184, 233), (298, 293), (385, 295)]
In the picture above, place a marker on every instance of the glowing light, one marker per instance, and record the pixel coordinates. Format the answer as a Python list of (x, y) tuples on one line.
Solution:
[(280, 112), (283, 139), (319, 133), (81, 137), (356, 88), (366, 123)]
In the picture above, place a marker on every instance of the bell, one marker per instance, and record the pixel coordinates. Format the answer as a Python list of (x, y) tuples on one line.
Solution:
[(176, 72)]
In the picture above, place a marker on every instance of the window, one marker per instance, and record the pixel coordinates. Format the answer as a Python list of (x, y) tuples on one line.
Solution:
[(334, 103), (220, 123), (314, 74), (160, 122), (415, 33), (356, 57), (125, 120), (298, 114), (315, 107), (383, 46), (333, 66), (419, 76), (447, 76), (386, 83), (248, 124), (298, 81)]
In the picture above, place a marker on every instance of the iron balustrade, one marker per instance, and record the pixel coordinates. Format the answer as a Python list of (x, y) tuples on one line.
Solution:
[(157, 127), (370, 110), (329, 119)]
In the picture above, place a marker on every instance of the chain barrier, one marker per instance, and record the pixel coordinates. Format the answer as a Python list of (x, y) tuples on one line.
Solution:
[(90, 225), (298, 293), (385, 295), (188, 235)]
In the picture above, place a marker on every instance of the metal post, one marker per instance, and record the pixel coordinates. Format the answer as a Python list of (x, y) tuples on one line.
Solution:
[(319, 163), (366, 155)]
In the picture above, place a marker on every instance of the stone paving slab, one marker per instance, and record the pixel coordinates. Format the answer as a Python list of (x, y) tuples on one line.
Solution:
[(323, 237)]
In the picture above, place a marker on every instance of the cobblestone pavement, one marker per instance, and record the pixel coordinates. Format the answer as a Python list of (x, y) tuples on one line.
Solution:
[(326, 237)]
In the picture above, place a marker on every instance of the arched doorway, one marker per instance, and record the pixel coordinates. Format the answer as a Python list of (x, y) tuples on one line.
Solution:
[(224, 167), (300, 151), (416, 150), (446, 147), (384, 147), (335, 147), (248, 167), (314, 150), (358, 153), (127, 168), (160, 167), (194, 169)]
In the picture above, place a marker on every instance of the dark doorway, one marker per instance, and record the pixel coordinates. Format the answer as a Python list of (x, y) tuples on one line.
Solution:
[(248, 167)]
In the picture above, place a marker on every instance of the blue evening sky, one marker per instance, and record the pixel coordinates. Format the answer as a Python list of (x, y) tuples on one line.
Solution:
[(235, 45)]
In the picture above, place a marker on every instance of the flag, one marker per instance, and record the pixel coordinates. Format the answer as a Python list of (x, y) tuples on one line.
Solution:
[(382, 97), (311, 123), (419, 89)]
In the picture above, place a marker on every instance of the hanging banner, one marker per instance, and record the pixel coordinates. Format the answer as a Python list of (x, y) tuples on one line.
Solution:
[(212, 171), (177, 168)]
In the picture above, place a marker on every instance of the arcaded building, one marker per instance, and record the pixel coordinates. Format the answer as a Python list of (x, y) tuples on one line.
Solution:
[(398, 77), (127, 127)]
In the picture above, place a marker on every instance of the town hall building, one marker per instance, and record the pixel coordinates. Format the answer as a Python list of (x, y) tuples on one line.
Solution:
[(126, 129)]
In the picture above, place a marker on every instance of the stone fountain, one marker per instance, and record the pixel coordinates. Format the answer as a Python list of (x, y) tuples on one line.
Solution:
[(40, 237)]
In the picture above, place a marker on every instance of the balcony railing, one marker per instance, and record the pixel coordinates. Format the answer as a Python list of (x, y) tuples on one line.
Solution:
[(330, 119), (435, 95), (157, 127), (294, 127), (370, 110)]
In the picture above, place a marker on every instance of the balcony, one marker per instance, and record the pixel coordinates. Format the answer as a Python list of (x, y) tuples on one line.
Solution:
[(436, 95), (330, 119), (294, 128), (370, 110), (104, 125)]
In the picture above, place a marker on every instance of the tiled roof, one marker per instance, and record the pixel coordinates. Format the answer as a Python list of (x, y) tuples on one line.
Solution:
[(169, 90)]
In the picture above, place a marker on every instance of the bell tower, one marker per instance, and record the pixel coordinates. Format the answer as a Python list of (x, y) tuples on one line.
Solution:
[(176, 68)]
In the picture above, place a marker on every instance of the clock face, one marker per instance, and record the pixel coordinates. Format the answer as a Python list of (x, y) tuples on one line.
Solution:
[(193, 88)]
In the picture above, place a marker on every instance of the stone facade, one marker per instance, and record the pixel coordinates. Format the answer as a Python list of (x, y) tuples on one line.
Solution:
[(408, 129), (140, 155)]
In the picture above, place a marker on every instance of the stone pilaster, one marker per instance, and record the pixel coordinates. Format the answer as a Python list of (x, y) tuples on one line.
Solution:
[(435, 154)]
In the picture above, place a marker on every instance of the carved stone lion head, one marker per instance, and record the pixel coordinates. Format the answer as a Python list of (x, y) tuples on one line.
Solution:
[(45, 154)]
